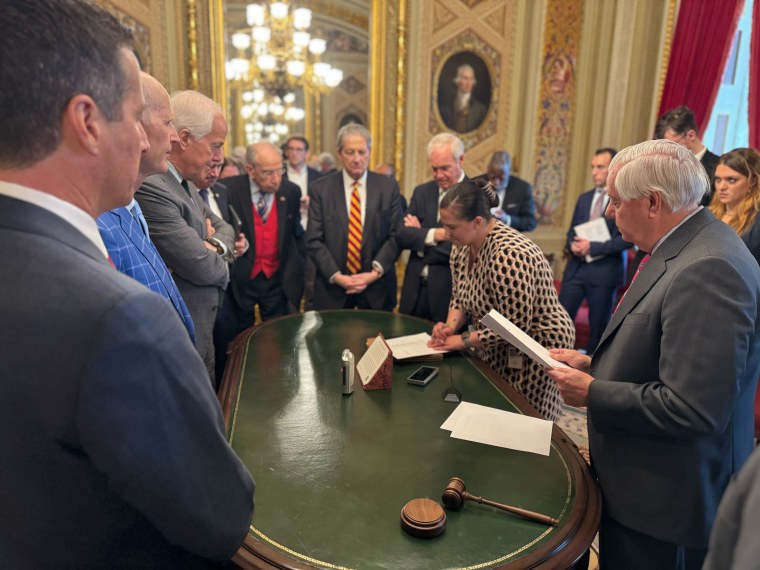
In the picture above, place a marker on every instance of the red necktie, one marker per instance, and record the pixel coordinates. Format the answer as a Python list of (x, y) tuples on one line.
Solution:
[(354, 259), (635, 275)]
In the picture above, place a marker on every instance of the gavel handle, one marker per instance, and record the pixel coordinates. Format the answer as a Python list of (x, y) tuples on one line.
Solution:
[(538, 517)]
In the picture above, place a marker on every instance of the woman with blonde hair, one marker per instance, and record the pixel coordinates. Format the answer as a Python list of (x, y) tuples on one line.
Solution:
[(737, 196)]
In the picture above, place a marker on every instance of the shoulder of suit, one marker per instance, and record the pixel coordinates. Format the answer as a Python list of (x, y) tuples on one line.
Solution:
[(332, 180), (517, 182), (288, 187)]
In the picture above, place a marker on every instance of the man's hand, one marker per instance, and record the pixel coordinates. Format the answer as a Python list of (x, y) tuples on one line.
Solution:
[(210, 230), (241, 245), (439, 235), (356, 283), (580, 247), (572, 358), (572, 384), (411, 221)]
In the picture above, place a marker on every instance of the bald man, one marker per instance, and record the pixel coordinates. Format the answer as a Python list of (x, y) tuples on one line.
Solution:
[(124, 230), (271, 272)]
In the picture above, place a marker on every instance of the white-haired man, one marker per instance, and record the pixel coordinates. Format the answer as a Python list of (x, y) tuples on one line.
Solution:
[(426, 291), (464, 113), (671, 385), (193, 241)]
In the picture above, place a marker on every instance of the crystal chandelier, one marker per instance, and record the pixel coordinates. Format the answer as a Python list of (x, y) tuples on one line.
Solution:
[(278, 55)]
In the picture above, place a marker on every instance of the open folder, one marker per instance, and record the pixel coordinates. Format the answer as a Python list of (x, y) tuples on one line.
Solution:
[(510, 332)]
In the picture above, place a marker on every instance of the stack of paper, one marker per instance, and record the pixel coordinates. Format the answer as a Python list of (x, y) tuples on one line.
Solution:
[(414, 346), (482, 424)]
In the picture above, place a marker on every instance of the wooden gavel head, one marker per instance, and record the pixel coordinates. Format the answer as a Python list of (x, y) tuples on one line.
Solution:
[(454, 493)]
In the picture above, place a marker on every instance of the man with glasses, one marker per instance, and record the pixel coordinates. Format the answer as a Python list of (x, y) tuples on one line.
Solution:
[(678, 125), (297, 171), (195, 243), (271, 273)]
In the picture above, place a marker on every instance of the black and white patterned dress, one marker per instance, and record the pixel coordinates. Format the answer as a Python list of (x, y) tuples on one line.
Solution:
[(511, 274)]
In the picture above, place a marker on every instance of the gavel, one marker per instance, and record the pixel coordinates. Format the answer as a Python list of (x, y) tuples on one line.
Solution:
[(455, 494)]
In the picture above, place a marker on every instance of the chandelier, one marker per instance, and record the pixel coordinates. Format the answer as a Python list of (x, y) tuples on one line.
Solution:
[(278, 55)]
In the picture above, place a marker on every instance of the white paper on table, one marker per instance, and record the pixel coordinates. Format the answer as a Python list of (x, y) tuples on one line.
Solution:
[(411, 346), (510, 332), (594, 230), (490, 426), (373, 358)]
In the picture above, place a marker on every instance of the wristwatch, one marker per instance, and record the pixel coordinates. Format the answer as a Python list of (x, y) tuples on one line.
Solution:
[(217, 244)]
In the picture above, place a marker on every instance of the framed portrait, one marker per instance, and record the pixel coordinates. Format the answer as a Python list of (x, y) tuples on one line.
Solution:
[(464, 92)]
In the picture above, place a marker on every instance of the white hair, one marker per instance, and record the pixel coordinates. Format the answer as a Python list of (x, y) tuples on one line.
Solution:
[(447, 140), (195, 112), (353, 129), (659, 166)]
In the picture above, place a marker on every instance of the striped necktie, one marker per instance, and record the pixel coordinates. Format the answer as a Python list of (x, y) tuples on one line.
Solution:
[(354, 259)]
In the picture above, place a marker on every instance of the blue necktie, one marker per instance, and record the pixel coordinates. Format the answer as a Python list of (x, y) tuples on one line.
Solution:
[(137, 214), (204, 194), (261, 206)]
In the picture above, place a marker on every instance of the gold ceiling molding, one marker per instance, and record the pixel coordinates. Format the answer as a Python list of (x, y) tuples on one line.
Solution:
[(331, 9), (497, 20), (472, 3)]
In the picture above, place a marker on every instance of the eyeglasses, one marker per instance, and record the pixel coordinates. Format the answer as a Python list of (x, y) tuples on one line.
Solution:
[(271, 173), (299, 149)]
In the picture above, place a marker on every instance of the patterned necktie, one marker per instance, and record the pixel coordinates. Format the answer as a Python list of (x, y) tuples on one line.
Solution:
[(635, 275), (354, 259), (596, 212), (261, 206), (137, 214)]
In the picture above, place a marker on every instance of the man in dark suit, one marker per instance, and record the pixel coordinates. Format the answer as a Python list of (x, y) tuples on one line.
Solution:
[(124, 230), (670, 389), (193, 241), (271, 273), (215, 193), (370, 203), (117, 454), (678, 125), (426, 290), (595, 269), (298, 172), (515, 207)]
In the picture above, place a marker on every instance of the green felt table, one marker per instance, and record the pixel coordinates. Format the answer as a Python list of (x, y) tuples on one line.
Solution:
[(332, 472)]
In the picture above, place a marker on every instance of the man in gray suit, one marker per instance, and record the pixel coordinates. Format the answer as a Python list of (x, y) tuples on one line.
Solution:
[(363, 281), (113, 443), (194, 242), (670, 388)]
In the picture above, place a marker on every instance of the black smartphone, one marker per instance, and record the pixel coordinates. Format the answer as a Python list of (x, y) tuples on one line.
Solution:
[(422, 375), (235, 221)]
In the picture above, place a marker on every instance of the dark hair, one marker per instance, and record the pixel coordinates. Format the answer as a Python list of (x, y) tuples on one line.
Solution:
[(606, 150), (52, 51), (680, 120), (471, 198), (298, 138)]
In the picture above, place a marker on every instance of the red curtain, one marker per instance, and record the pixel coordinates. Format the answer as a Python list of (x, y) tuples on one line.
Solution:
[(754, 77), (701, 42)]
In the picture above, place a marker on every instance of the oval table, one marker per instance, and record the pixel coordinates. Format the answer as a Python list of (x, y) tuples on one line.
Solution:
[(332, 472)]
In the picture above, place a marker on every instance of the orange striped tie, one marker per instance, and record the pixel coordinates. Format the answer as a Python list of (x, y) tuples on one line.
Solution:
[(354, 259)]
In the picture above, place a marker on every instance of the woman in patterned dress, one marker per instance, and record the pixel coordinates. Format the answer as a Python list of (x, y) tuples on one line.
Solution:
[(496, 267)]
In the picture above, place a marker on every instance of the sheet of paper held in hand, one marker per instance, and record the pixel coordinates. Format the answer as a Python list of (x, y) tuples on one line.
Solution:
[(373, 358), (482, 424), (510, 332), (595, 230), (411, 346)]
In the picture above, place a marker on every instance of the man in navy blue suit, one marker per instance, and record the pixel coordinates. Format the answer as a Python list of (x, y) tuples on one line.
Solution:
[(124, 230), (595, 269)]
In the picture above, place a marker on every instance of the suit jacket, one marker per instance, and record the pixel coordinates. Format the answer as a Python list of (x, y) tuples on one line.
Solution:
[(327, 237), (311, 175), (114, 444), (518, 203), (134, 254), (424, 205), (671, 406), (177, 226), (610, 269), (290, 237), (221, 195), (474, 118), (710, 162)]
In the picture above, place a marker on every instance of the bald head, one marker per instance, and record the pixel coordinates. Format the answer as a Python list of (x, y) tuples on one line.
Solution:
[(157, 120)]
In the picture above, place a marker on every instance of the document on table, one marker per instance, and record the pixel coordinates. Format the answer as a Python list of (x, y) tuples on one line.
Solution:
[(510, 332), (411, 346), (373, 358), (490, 426), (595, 230)]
